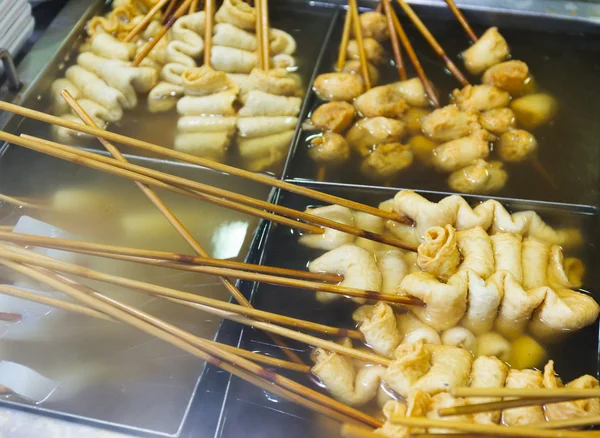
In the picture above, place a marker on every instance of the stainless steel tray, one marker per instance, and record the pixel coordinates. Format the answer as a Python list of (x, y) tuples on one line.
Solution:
[(562, 53), (251, 412)]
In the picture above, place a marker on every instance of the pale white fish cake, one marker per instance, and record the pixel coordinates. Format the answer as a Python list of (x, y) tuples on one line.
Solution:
[(345, 383), (331, 238), (494, 344), (378, 325), (382, 101), (534, 256), (489, 50), (571, 409), (479, 177), (517, 304), (357, 265), (449, 123), (483, 302), (338, 86), (508, 253), (526, 415), (480, 98), (456, 154), (460, 337), (438, 253), (487, 372), (475, 247), (498, 121), (237, 13), (563, 311), (446, 303), (369, 132)]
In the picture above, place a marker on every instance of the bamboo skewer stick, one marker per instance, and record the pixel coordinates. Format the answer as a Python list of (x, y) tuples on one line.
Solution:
[(485, 429), (355, 431), (49, 263), (168, 214), (169, 10), (394, 39), (499, 405), (263, 13), (19, 202), (193, 7), (17, 255), (433, 42), (98, 162), (103, 250), (161, 33), (258, 31), (529, 393), (410, 51), (255, 177), (144, 22), (209, 12), (462, 20), (364, 66), (343, 52), (6, 228), (198, 190), (83, 310), (213, 354)]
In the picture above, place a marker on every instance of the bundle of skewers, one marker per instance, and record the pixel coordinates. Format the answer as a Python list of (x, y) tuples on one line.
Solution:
[(240, 92), (419, 372), (390, 127)]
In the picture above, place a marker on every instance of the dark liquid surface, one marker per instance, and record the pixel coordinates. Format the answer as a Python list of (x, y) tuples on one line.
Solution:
[(574, 356), (565, 65)]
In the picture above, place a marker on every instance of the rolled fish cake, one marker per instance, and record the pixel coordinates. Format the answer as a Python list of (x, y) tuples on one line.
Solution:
[(259, 103), (331, 238), (438, 254), (525, 415), (487, 372), (475, 247), (378, 325)]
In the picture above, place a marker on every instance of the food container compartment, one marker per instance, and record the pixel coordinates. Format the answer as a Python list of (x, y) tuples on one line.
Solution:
[(561, 53), (110, 373), (254, 413), (307, 24)]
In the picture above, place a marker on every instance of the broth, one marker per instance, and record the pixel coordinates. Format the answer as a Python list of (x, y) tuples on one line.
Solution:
[(107, 370), (564, 65)]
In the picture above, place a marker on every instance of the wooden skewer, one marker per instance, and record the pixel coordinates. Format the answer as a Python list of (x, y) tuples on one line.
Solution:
[(20, 202), (193, 7), (20, 254), (6, 228), (10, 317), (499, 405), (394, 39), (209, 11), (198, 190), (573, 422), (168, 214), (180, 12), (144, 22), (258, 31), (158, 256), (410, 51), (462, 20), (433, 42), (190, 343), (83, 310), (485, 429), (530, 393), (264, 24), (355, 431), (342, 54), (169, 10), (262, 179), (364, 66)]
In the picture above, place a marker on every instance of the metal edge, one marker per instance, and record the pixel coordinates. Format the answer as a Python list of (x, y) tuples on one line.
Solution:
[(581, 209), (308, 97)]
